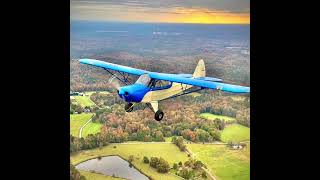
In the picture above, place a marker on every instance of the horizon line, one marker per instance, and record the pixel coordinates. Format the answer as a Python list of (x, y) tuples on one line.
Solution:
[(142, 22)]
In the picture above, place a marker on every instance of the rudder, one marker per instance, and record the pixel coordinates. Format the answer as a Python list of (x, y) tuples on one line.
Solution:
[(200, 70)]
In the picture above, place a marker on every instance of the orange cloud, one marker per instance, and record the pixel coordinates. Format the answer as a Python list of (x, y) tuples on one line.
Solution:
[(106, 12), (206, 16)]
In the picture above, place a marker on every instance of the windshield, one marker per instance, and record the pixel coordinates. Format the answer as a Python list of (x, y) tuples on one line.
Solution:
[(144, 79)]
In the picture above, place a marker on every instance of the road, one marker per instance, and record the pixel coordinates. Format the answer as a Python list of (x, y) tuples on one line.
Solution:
[(85, 125)]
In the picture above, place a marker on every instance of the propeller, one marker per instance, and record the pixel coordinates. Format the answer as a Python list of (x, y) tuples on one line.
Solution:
[(114, 82)]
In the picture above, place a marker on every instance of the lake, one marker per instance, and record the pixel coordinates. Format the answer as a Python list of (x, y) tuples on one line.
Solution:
[(112, 165)]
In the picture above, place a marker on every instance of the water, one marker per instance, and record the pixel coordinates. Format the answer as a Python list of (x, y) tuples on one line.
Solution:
[(112, 165)]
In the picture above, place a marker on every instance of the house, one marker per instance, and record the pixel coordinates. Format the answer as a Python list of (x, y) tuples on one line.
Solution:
[(236, 146)]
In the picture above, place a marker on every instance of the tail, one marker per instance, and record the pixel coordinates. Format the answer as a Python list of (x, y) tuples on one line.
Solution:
[(200, 70)]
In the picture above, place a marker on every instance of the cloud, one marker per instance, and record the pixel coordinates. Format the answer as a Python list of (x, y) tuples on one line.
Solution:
[(186, 11)]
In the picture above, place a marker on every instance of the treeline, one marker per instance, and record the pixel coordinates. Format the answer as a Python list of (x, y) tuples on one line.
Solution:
[(90, 142), (179, 142)]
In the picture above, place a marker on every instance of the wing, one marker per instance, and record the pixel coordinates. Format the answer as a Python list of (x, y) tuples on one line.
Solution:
[(204, 82), (115, 67), (200, 83)]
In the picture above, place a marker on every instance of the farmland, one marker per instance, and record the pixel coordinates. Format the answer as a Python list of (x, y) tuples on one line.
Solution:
[(235, 133), (224, 163), (167, 151), (91, 128), (210, 116), (77, 121), (84, 101)]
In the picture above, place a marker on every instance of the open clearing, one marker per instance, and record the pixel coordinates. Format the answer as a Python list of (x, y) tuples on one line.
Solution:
[(224, 163), (91, 128), (89, 93), (235, 133), (96, 176), (84, 101), (169, 152), (210, 116), (77, 121)]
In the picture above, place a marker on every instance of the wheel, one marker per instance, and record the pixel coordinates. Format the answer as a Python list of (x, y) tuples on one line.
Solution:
[(128, 107), (159, 115)]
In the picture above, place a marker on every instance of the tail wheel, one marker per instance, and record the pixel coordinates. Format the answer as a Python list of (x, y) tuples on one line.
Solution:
[(128, 107), (158, 115)]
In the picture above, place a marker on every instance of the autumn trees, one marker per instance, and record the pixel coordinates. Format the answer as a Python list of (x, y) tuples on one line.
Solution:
[(160, 164)]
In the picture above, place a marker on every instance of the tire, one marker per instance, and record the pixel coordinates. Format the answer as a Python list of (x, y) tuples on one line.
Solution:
[(158, 115), (128, 107)]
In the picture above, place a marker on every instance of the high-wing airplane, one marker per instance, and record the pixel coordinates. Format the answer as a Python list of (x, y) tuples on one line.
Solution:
[(152, 87)]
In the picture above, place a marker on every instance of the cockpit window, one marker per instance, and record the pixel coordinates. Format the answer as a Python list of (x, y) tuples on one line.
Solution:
[(144, 80)]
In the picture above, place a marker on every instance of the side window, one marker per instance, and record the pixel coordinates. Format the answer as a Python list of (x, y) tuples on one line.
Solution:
[(161, 84)]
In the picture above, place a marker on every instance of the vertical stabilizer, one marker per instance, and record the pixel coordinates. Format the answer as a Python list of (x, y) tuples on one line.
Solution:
[(200, 70)]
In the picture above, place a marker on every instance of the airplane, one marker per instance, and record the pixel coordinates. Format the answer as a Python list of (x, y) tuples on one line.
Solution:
[(152, 87)]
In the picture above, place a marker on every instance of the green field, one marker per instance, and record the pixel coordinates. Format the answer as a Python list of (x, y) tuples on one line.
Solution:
[(84, 101), (223, 163), (235, 133), (210, 116), (91, 128), (77, 121), (169, 152), (89, 93), (96, 176)]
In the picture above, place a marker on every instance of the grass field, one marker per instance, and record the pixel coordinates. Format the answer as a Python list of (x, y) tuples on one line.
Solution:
[(89, 93), (96, 176), (224, 163), (169, 152), (91, 128), (77, 121), (210, 116), (235, 133), (84, 101)]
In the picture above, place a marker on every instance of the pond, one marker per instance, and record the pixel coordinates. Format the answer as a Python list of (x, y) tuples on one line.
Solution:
[(112, 165)]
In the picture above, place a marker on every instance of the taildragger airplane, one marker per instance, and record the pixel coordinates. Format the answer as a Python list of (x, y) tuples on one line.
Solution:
[(152, 87)]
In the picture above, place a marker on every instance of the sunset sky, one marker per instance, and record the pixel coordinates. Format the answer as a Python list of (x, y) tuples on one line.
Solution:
[(168, 11)]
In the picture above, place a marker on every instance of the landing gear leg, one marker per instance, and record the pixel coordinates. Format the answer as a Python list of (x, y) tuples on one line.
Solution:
[(154, 107), (128, 107)]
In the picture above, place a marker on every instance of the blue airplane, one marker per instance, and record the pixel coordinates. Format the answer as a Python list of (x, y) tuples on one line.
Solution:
[(152, 87)]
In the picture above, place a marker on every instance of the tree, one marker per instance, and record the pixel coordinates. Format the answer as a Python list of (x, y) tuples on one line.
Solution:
[(198, 164), (202, 135), (216, 136), (145, 159), (154, 162), (131, 158), (204, 174), (75, 174), (220, 124), (186, 173), (175, 166), (163, 166), (159, 136)]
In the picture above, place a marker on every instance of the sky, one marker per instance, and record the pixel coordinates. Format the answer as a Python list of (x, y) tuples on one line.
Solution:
[(165, 11)]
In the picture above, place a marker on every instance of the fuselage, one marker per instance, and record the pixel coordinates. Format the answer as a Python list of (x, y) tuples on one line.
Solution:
[(141, 93)]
